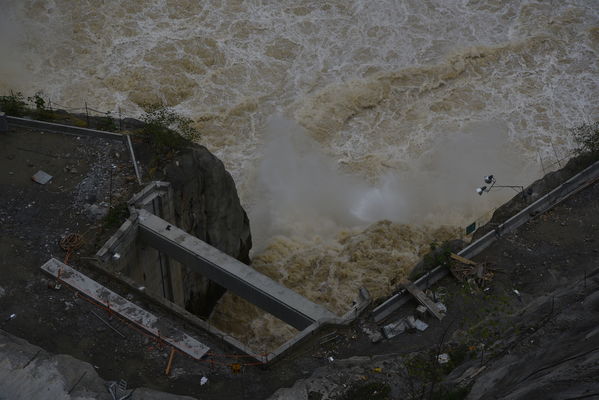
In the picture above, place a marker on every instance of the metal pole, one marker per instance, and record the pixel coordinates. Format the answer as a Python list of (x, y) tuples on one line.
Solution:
[(137, 174), (86, 114), (107, 324), (120, 120)]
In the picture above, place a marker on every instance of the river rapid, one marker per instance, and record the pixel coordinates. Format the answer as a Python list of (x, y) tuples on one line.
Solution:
[(356, 131)]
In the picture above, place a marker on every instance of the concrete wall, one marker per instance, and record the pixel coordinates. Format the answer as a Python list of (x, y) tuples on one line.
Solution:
[(135, 259)]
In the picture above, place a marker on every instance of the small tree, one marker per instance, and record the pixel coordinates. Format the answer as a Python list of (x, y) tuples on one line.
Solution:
[(13, 104), (41, 111), (166, 128)]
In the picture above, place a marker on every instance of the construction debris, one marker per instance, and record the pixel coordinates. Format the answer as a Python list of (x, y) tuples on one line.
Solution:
[(443, 358), (41, 177), (408, 323), (329, 337), (420, 325), (424, 300), (119, 391), (473, 273), (396, 328), (421, 311), (376, 337), (441, 307)]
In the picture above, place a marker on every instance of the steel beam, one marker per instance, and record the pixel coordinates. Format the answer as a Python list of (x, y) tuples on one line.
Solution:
[(230, 273)]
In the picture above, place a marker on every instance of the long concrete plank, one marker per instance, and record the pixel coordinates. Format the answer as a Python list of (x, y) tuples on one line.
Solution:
[(142, 318), (228, 272)]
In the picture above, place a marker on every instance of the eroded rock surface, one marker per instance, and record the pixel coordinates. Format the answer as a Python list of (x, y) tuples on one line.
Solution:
[(207, 206)]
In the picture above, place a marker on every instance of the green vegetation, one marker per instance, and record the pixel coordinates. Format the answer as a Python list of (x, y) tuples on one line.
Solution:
[(107, 123), (587, 138), (13, 104), (439, 255), (166, 129), (41, 111)]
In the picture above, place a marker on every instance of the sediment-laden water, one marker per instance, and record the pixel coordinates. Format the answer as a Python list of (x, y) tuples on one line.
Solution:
[(333, 117)]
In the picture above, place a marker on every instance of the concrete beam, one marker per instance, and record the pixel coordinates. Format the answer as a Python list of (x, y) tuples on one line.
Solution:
[(230, 273), (137, 315)]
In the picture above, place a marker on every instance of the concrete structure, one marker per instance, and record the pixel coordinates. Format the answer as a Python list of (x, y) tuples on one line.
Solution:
[(152, 251), (129, 256), (242, 280), (147, 321)]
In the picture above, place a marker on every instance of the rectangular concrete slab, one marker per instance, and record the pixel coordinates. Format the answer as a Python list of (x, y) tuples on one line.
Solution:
[(423, 299), (241, 279), (142, 318)]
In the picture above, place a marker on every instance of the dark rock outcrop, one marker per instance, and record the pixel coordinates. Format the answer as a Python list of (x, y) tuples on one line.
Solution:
[(207, 206)]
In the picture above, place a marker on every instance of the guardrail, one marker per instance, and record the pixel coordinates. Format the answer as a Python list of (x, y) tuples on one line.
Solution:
[(573, 185), (77, 131), (65, 129)]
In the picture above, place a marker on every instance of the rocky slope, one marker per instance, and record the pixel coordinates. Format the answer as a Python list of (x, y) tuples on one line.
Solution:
[(27, 372)]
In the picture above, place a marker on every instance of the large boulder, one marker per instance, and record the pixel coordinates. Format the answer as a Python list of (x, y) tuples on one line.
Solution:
[(29, 373), (207, 206)]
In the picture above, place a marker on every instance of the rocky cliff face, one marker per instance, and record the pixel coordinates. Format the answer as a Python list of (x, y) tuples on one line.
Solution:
[(207, 206)]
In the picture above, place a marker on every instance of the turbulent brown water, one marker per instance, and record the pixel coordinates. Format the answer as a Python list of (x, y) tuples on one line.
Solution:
[(333, 117)]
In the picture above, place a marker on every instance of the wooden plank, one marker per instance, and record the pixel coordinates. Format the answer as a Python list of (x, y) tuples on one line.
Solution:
[(423, 299), (462, 259), (142, 318)]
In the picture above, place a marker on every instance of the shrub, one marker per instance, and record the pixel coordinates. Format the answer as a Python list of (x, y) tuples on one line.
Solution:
[(41, 111), (167, 129), (13, 104), (107, 123)]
